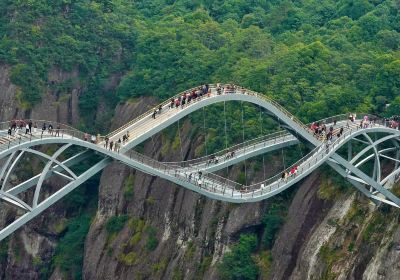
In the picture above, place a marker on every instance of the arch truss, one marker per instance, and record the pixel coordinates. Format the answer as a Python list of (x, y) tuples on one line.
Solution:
[(368, 157)]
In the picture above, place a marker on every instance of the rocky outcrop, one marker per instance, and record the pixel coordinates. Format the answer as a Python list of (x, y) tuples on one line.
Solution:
[(191, 229), (56, 105)]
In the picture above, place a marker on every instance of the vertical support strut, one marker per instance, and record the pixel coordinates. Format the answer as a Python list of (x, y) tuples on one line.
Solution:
[(261, 128), (245, 165), (180, 140), (349, 151), (204, 129), (226, 137)]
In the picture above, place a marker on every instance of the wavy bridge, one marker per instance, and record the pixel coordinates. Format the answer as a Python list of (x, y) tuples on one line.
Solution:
[(368, 156)]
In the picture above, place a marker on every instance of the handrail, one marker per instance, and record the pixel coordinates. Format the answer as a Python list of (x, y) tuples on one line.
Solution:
[(228, 88), (213, 182), (39, 123), (255, 141), (149, 112)]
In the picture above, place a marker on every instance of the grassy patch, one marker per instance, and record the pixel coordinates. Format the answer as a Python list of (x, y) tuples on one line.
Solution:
[(273, 220), (191, 249), (152, 241), (158, 268), (137, 226), (61, 225), (396, 190), (4, 250), (128, 259), (128, 187), (177, 274), (203, 267), (264, 261), (241, 178), (329, 256), (375, 229), (115, 224)]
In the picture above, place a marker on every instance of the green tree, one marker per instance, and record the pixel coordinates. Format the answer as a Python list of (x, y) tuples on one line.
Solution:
[(239, 264)]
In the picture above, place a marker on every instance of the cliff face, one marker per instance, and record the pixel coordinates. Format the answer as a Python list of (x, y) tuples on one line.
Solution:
[(190, 229), (55, 106), (32, 247), (171, 233)]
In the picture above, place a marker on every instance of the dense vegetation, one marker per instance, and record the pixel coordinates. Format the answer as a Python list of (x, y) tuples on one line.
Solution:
[(316, 57)]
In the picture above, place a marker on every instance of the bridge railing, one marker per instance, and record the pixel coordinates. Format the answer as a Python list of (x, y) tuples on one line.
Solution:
[(295, 170), (148, 113), (303, 164), (17, 138), (233, 151), (209, 181), (39, 124), (248, 146), (229, 88)]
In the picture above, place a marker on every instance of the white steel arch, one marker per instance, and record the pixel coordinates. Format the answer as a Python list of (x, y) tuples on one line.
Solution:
[(187, 174)]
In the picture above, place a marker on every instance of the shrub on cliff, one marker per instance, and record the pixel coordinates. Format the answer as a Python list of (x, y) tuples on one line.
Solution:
[(239, 263)]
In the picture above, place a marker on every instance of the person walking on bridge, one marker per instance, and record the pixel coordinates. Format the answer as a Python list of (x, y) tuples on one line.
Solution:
[(13, 125), (111, 145), (106, 139), (117, 145), (43, 128), (58, 130)]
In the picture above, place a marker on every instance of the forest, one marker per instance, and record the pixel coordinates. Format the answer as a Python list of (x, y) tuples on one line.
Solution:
[(317, 58)]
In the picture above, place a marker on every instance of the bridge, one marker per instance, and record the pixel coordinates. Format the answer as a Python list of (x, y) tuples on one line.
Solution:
[(370, 146)]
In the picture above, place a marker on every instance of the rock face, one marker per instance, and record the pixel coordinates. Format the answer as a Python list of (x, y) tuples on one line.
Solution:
[(33, 245), (172, 233), (54, 106), (191, 229)]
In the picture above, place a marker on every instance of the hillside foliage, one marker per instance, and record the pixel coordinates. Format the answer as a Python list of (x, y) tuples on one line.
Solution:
[(316, 57)]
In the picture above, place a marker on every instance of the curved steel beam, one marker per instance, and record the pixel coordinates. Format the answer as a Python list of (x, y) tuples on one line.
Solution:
[(33, 181), (366, 149), (10, 169), (5, 166), (15, 201), (377, 163), (54, 160), (46, 169), (53, 198)]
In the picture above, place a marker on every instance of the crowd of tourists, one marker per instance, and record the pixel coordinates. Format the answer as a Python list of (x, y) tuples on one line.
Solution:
[(196, 94), (393, 122), (321, 131), (18, 127), (115, 145)]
